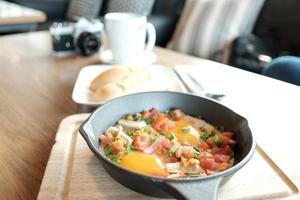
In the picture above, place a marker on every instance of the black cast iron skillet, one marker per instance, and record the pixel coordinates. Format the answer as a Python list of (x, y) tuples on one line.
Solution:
[(204, 188)]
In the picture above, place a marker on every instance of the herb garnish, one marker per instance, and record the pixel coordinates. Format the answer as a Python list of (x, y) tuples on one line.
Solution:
[(173, 150), (218, 140), (108, 150), (171, 136), (148, 121), (204, 136)]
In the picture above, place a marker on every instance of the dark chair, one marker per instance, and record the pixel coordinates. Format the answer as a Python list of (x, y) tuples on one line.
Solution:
[(285, 68), (164, 15), (276, 33)]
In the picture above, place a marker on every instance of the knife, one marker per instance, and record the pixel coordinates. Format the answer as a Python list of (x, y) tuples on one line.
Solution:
[(193, 86)]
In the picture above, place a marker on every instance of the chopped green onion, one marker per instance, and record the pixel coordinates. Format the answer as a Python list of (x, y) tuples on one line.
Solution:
[(137, 117), (212, 133), (197, 151), (162, 133), (218, 140), (222, 128), (148, 121), (130, 133), (204, 136), (171, 136), (115, 158), (147, 129), (107, 150), (172, 115), (129, 149), (129, 117), (156, 137), (186, 129), (173, 149)]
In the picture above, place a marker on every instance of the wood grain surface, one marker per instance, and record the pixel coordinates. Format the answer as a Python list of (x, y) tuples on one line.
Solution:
[(35, 95), (73, 172)]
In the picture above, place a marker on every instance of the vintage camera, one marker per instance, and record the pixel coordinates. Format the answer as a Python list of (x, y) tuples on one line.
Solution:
[(82, 37)]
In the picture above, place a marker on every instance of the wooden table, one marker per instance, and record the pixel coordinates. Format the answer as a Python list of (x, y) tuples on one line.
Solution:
[(35, 95), (11, 13)]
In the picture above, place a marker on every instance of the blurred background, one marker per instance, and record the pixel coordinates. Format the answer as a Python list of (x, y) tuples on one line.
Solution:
[(247, 34)]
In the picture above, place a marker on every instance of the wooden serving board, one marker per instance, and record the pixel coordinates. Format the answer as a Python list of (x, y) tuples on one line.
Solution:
[(73, 172)]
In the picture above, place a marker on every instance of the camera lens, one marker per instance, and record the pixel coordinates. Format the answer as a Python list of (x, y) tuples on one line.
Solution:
[(88, 43)]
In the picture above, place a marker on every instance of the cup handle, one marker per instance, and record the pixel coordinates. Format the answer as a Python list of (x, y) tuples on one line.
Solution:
[(195, 190), (151, 37)]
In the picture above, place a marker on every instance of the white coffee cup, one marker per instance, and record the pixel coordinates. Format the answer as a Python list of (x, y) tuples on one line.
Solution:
[(126, 36)]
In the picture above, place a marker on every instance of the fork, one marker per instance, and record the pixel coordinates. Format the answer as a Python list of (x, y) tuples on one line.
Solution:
[(193, 86)]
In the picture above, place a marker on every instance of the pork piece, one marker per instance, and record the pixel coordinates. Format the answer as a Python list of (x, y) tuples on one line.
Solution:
[(155, 146), (185, 151), (132, 124), (125, 137), (106, 139), (199, 123), (113, 132), (192, 167), (174, 167)]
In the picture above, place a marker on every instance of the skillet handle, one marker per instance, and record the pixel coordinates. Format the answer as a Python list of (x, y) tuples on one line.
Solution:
[(195, 190)]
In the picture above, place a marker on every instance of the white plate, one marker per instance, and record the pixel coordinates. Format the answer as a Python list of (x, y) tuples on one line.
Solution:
[(168, 81), (148, 57)]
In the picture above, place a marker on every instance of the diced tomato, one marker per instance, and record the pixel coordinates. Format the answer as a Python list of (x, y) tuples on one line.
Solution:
[(221, 158), (118, 145), (227, 134), (207, 163), (141, 143), (171, 159), (105, 142), (154, 112), (159, 122), (211, 141), (226, 140), (171, 124), (146, 114), (166, 144), (225, 150), (162, 123), (203, 145), (159, 151), (161, 174)]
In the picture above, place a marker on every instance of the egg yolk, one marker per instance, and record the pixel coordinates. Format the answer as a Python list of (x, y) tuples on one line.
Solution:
[(142, 163), (185, 132)]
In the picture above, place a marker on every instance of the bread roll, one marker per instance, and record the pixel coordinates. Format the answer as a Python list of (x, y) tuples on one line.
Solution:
[(108, 91), (119, 81), (108, 76)]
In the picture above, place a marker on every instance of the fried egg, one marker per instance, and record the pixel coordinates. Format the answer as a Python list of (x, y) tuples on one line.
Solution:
[(185, 132), (142, 163)]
